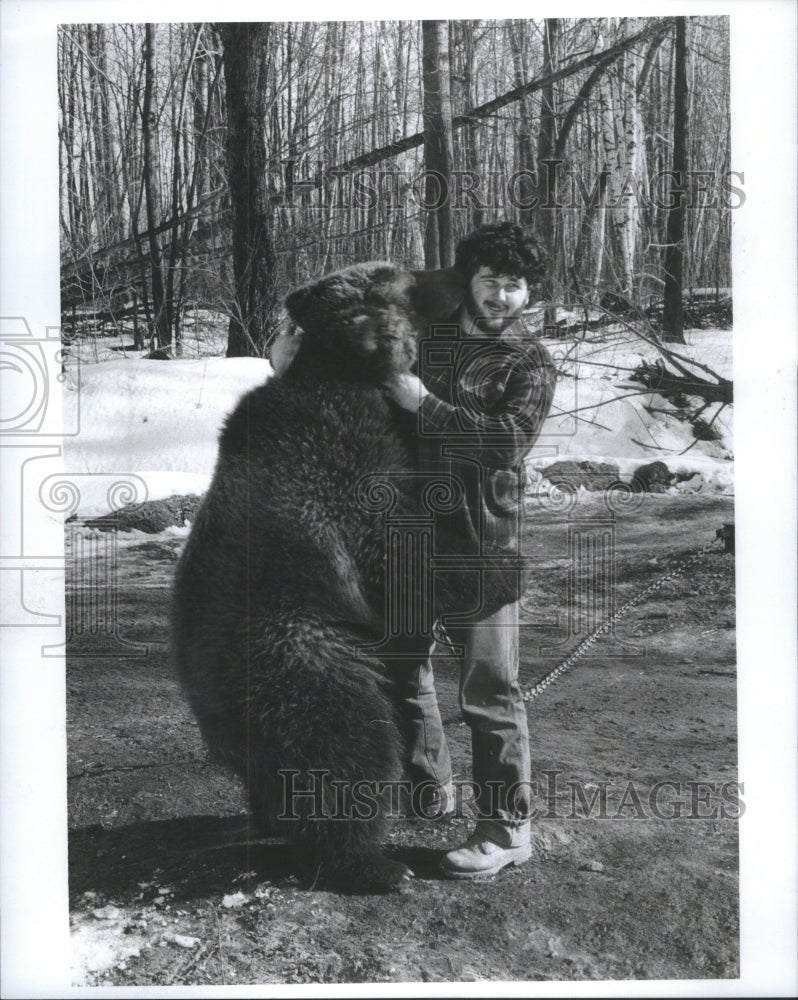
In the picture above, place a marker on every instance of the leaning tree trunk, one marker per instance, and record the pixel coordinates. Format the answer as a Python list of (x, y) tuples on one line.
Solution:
[(438, 152), (673, 316), (254, 317)]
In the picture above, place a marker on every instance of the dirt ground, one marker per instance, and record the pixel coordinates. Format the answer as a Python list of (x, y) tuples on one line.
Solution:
[(165, 887)]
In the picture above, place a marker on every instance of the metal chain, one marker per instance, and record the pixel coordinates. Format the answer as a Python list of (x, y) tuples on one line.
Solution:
[(534, 690)]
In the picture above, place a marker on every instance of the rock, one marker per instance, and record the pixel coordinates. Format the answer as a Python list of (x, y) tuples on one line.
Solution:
[(150, 517), (107, 913), (654, 477), (693, 484), (594, 476), (726, 534), (182, 940), (233, 900), (552, 948), (591, 866)]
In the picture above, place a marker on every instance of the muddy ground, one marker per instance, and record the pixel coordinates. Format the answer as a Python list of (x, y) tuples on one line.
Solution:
[(165, 887)]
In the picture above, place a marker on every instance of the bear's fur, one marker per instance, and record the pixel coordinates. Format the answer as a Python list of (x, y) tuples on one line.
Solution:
[(283, 579)]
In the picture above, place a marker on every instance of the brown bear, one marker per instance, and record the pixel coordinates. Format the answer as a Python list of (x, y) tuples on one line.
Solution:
[(284, 582)]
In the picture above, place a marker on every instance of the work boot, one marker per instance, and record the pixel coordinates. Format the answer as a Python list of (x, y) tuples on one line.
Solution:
[(492, 846)]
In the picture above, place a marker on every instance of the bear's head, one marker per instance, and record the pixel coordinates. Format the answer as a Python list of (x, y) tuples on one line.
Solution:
[(360, 318)]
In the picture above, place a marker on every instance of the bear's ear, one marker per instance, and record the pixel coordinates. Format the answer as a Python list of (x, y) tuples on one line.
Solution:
[(437, 295)]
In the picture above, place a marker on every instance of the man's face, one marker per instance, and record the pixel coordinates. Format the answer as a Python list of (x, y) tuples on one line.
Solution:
[(494, 300)]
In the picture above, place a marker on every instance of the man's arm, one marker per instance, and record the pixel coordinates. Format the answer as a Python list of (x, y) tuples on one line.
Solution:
[(500, 433)]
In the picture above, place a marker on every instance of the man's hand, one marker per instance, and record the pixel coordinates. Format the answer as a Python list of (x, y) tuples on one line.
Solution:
[(407, 390)]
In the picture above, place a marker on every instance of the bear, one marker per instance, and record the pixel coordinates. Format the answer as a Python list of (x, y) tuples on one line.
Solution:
[(282, 590)]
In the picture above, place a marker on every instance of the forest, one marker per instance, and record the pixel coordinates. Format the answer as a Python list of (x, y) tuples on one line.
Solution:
[(214, 166)]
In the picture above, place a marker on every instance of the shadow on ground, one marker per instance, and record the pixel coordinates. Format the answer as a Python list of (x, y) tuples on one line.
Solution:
[(199, 856)]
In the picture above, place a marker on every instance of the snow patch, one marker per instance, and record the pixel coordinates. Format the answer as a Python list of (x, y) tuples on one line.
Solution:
[(156, 420), (100, 943), (600, 415)]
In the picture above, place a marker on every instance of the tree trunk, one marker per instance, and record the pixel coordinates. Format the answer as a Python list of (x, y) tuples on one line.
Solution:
[(254, 317), (673, 317), (161, 329), (620, 133), (438, 153), (473, 159), (69, 129), (524, 144), (547, 168), (103, 157), (588, 256)]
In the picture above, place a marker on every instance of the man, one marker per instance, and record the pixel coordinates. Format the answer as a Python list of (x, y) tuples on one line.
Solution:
[(481, 411)]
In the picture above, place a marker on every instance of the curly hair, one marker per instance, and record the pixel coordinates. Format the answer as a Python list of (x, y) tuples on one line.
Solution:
[(503, 247)]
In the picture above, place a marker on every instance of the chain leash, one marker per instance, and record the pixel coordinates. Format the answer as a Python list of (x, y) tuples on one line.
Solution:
[(534, 690)]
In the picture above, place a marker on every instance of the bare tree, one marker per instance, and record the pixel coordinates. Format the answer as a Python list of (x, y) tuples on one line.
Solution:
[(438, 152), (673, 316), (547, 166), (254, 320), (161, 321)]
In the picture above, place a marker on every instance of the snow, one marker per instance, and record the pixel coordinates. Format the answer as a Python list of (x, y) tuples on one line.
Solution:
[(160, 420), (616, 420), (100, 944), (600, 415)]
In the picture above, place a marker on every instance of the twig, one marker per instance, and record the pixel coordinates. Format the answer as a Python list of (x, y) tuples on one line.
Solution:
[(653, 447), (315, 879), (584, 420), (606, 402)]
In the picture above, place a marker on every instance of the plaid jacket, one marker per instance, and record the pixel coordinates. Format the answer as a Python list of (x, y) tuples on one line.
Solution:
[(488, 399)]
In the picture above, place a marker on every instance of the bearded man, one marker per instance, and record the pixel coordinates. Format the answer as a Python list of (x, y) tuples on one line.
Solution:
[(483, 386)]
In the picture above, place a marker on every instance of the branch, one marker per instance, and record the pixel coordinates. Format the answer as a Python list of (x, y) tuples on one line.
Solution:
[(712, 421), (657, 378), (578, 103), (648, 61), (376, 156), (93, 255), (651, 337)]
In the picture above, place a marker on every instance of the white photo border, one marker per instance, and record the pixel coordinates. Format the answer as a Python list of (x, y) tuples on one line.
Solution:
[(35, 929)]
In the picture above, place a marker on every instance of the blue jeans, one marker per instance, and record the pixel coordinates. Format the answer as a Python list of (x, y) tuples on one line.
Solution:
[(493, 708)]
